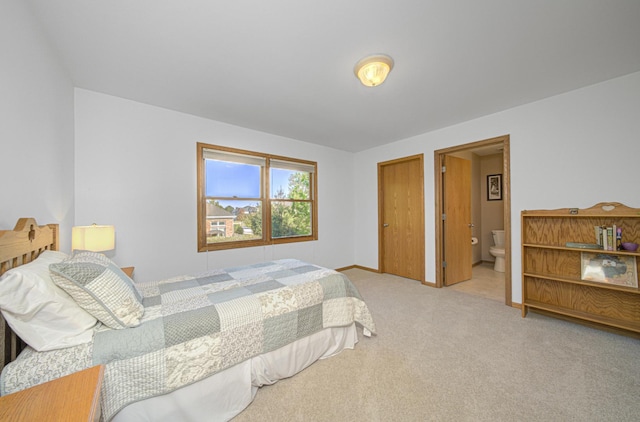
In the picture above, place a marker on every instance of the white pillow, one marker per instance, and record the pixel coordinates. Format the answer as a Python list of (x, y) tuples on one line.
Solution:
[(38, 311), (101, 288)]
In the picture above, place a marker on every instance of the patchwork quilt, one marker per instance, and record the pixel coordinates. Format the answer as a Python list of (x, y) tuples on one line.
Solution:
[(196, 326)]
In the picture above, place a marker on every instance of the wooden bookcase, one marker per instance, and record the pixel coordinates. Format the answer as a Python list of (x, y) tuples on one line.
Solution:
[(552, 272)]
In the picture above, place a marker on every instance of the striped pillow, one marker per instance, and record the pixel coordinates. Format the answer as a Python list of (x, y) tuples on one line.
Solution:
[(101, 288)]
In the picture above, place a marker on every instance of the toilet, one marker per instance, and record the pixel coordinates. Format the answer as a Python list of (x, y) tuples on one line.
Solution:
[(498, 250)]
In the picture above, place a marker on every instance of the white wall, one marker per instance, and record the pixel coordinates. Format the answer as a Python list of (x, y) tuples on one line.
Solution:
[(492, 211), (36, 126), (136, 169), (135, 164), (558, 146)]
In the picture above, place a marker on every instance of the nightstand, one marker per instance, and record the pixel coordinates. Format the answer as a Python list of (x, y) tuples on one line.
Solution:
[(75, 397), (128, 271)]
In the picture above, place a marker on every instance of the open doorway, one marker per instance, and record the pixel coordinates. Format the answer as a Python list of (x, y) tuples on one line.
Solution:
[(485, 147)]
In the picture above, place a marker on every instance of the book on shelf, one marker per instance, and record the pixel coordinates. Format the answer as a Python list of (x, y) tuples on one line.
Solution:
[(609, 237)]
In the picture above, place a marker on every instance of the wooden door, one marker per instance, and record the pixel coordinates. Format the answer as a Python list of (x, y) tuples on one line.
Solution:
[(401, 217), (457, 221)]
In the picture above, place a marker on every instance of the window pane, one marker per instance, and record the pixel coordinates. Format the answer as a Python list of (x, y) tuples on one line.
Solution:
[(229, 179), (289, 218), (232, 221), (290, 184)]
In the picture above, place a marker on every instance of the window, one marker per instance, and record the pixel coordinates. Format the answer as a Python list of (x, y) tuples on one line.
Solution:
[(250, 199)]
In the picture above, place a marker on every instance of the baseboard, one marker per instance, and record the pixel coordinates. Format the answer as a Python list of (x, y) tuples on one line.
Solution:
[(359, 267)]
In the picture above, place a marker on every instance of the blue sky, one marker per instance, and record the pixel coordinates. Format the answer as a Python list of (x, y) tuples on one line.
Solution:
[(241, 180)]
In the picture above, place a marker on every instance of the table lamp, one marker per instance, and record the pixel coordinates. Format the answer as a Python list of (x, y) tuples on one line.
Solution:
[(93, 238)]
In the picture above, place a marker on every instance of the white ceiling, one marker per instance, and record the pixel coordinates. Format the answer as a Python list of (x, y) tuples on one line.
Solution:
[(286, 66)]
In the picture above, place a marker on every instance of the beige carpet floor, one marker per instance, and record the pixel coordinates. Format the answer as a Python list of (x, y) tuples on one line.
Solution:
[(443, 355)]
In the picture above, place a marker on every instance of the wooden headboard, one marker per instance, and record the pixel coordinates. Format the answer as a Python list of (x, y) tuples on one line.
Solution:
[(19, 246)]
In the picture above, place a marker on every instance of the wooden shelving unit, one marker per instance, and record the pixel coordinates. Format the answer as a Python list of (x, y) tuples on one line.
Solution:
[(551, 272)]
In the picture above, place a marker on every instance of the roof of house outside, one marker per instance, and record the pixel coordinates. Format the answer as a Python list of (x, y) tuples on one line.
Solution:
[(248, 209), (215, 211)]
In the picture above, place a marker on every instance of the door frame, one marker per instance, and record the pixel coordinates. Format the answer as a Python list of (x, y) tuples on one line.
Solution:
[(381, 165), (438, 159)]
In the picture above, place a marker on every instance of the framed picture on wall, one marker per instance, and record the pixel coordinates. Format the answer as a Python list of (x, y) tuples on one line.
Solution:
[(494, 187)]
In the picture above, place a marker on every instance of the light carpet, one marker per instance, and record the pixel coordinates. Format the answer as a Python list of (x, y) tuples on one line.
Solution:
[(443, 355)]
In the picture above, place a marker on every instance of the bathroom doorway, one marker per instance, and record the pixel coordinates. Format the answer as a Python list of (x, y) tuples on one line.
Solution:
[(489, 149)]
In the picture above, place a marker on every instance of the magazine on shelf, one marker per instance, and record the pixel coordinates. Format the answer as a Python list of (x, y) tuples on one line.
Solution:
[(609, 268)]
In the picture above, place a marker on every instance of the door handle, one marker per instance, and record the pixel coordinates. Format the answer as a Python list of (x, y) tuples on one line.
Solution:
[(385, 225)]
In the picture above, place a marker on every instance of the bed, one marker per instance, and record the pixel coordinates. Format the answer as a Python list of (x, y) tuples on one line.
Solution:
[(194, 347)]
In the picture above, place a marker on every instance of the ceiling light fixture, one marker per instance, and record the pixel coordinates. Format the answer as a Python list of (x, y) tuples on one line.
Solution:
[(373, 70)]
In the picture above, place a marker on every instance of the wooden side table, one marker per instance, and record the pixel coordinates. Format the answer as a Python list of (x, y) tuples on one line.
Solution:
[(75, 397), (128, 271)]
